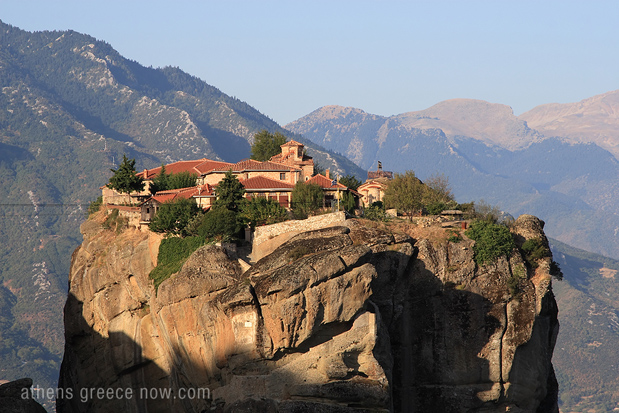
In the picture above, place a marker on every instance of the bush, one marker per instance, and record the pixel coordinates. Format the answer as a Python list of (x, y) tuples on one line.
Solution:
[(306, 199), (95, 205), (219, 223), (454, 236), (375, 212), (491, 241), (261, 211), (172, 217), (173, 252), (534, 250)]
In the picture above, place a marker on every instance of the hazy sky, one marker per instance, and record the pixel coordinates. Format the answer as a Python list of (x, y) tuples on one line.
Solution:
[(288, 58)]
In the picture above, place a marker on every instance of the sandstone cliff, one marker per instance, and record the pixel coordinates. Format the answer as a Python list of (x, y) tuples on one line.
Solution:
[(346, 318)]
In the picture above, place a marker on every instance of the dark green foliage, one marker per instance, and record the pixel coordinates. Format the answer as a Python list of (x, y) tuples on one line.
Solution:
[(173, 252), (555, 270), (172, 217), (306, 199), (182, 180), (164, 181), (95, 205), (535, 250), (454, 236), (348, 202), (375, 212), (436, 208), (220, 223), (491, 241), (194, 223), (350, 181), (124, 179), (261, 211), (266, 145), (160, 181), (229, 192)]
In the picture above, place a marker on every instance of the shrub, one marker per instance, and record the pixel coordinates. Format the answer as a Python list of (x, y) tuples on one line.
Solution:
[(306, 199), (219, 223), (454, 236), (534, 250), (375, 212), (172, 217), (95, 205), (491, 241), (261, 211), (173, 252)]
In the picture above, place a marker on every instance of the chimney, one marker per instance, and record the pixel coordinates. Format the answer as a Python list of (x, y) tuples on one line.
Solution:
[(145, 173), (327, 174)]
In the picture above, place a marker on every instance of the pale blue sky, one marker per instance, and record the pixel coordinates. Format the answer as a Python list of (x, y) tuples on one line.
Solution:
[(288, 58)]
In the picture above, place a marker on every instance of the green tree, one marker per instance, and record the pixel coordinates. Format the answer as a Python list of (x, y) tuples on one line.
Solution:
[(164, 181), (160, 181), (229, 192), (173, 216), (125, 179), (306, 199), (266, 145), (348, 202), (405, 192), (261, 211), (220, 223), (183, 179), (350, 181), (491, 241)]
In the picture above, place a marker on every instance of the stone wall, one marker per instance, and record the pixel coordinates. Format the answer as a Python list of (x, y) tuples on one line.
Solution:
[(132, 214), (269, 237)]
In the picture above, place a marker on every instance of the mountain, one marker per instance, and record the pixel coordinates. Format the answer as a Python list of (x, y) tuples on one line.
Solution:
[(595, 119), (487, 153), (70, 107)]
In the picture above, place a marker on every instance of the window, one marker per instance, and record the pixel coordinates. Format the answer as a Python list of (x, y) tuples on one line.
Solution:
[(282, 176)]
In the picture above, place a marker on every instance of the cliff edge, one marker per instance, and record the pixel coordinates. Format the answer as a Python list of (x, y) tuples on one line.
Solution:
[(357, 317)]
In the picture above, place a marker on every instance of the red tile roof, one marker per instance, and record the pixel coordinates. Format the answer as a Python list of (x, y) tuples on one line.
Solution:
[(261, 182), (325, 182), (187, 193), (174, 168), (209, 165), (252, 165)]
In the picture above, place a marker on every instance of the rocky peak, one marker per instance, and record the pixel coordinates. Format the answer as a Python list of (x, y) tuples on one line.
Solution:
[(348, 318)]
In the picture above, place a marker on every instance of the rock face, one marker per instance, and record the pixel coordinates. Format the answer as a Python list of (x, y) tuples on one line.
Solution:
[(15, 397), (346, 318)]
